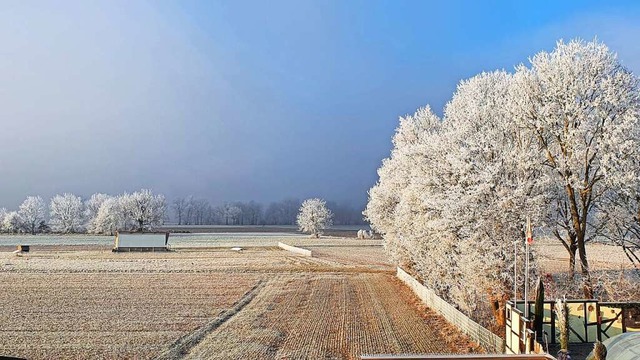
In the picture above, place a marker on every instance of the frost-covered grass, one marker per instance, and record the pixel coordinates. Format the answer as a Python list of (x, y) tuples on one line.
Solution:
[(180, 240), (259, 239), (48, 239)]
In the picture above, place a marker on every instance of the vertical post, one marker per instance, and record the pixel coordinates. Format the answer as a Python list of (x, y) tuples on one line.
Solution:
[(515, 273), (528, 241), (526, 281)]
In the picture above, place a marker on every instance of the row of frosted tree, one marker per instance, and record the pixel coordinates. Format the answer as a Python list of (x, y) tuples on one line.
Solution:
[(142, 210), (100, 214), (193, 211), (557, 141)]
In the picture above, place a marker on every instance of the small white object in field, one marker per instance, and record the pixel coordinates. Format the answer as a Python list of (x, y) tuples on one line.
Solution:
[(236, 248), (360, 234), (369, 233)]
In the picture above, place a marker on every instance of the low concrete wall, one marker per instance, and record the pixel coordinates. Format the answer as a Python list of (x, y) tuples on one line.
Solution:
[(485, 338), (295, 249)]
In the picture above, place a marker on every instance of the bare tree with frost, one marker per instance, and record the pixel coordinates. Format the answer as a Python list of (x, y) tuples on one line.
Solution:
[(3, 213), (66, 213), (454, 194), (110, 217), (11, 222), (583, 107), (144, 208), (32, 213), (314, 217), (91, 208)]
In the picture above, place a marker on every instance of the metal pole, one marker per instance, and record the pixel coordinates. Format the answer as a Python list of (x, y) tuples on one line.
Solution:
[(515, 273), (526, 281)]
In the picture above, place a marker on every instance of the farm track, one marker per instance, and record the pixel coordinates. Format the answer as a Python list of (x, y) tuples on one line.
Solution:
[(330, 316), (185, 343)]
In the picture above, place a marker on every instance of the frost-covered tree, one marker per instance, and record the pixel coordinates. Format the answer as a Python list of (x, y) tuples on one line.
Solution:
[(3, 213), (454, 194), (415, 144), (314, 217), (32, 212), (110, 217), (622, 216), (231, 213), (492, 183), (583, 107), (11, 222), (66, 213), (91, 208), (622, 222), (144, 208)]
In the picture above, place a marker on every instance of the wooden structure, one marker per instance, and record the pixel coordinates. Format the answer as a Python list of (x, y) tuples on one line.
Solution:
[(589, 320), (133, 241)]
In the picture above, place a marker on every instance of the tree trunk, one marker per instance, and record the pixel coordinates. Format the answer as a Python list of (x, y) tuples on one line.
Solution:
[(498, 303), (573, 248), (586, 275)]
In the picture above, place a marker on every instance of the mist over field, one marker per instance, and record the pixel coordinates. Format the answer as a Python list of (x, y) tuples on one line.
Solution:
[(287, 100)]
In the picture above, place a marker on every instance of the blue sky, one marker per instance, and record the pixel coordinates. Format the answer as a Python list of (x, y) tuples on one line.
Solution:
[(241, 100)]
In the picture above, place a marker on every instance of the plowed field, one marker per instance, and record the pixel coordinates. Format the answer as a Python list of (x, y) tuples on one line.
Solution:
[(323, 316), (260, 303)]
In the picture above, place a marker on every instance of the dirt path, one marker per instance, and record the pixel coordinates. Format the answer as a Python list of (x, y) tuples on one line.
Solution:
[(323, 317), (182, 347)]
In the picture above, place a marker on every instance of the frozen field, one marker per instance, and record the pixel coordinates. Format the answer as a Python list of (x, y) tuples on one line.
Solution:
[(264, 302), (181, 240)]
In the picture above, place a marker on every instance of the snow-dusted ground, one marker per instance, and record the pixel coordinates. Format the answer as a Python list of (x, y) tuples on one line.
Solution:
[(12, 240), (181, 240)]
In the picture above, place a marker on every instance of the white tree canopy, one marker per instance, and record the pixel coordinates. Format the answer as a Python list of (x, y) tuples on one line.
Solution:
[(66, 213), (145, 209), (91, 208), (314, 217), (558, 142), (32, 213), (11, 222), (110, 217)]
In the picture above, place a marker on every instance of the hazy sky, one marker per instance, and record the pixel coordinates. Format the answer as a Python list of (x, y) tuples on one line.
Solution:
[(237, 100)]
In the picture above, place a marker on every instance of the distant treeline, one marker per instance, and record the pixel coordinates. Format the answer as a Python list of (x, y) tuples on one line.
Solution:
[(143, 210), (193, 211)]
